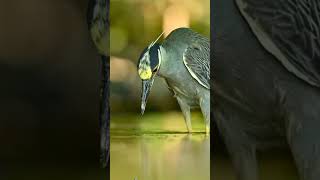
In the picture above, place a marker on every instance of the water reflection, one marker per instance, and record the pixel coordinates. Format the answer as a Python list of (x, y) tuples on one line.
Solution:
[(160, 156)]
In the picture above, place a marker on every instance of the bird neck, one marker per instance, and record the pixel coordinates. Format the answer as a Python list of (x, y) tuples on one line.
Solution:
[(161, 61), (165, 64)]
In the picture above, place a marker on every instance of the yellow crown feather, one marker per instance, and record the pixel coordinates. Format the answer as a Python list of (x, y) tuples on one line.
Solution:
[(145, 73)]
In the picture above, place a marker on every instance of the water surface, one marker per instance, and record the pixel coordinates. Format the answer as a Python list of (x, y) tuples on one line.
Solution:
[(157, 147)]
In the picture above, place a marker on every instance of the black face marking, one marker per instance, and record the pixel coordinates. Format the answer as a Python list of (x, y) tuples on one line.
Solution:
[(154, 58)]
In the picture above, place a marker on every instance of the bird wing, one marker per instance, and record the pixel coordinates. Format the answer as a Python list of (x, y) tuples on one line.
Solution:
[(196, 58), (290, 30)]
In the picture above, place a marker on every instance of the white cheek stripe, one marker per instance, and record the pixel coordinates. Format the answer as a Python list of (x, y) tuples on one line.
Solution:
[(159, 57)]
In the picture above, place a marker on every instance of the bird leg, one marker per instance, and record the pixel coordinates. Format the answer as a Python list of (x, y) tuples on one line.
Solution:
[(205, 109), (185, 108)]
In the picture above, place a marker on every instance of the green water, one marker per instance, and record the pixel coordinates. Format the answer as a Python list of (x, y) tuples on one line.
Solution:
[(157, 147)]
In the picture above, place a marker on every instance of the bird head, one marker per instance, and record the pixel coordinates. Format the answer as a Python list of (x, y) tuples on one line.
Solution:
[(148, 66)]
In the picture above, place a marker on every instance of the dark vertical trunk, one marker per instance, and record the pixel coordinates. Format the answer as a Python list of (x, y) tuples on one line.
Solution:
[(104, 116), (96, 16)]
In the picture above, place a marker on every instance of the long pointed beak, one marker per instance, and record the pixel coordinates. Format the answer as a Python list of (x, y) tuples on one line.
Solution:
[(146, 87)]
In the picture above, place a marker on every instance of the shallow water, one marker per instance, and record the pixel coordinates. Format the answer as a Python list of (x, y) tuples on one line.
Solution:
[(157, 147)]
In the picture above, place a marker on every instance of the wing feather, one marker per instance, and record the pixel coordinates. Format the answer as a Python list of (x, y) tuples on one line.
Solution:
[(196, 58), (290, 30)]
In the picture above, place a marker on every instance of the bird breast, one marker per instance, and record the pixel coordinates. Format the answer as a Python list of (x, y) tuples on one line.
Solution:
[(186, 91)]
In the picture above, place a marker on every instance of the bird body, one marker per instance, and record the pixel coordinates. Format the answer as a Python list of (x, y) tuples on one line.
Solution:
[(266, 89), (189, 90), (289, 31)]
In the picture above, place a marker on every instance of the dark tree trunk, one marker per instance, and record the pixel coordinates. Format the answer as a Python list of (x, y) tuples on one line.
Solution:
[(104, 116)]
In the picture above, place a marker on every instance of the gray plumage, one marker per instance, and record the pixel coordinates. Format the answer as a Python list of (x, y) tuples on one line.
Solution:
[(185, 66), (290, 30), (196, 59), (266, 85)]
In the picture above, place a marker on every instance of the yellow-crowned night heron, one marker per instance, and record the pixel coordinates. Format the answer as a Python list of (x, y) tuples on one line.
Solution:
[(98, 22), (182, 59), (267, 81)]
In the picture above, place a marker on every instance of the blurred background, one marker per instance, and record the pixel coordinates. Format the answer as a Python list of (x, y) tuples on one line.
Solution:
[(153, 146), (49, 74)]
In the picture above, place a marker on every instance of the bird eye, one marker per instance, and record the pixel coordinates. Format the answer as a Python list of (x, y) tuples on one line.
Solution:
[(155, 70)]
